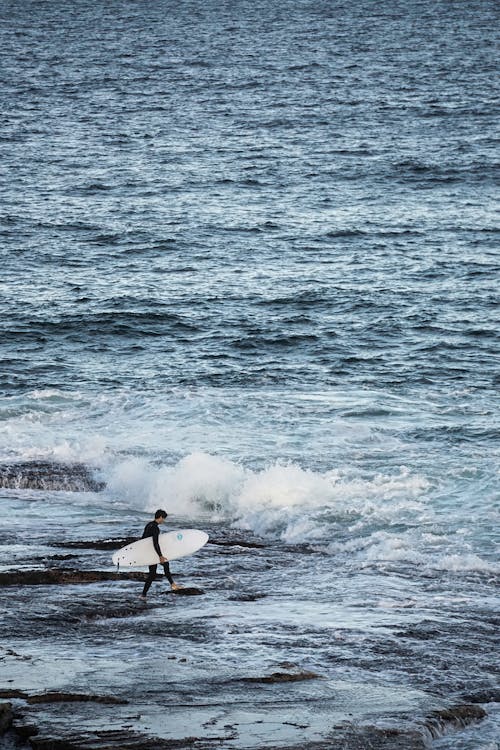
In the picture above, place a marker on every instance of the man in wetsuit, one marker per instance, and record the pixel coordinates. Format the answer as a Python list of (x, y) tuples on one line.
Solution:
[(152, 529)]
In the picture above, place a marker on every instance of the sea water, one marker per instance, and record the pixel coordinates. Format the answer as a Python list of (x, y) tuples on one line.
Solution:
[(250, 274)]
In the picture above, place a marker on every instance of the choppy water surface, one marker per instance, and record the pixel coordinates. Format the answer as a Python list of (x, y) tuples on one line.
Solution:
[(250, 273)]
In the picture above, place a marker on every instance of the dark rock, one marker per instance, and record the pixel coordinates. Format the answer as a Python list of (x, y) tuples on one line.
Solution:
[(488, 695), (375, 738), (5, 717), (60, 697), (10, 652), (57, 697), (107, 610), (99, 543), (45, 475), (63, 576), (12, 694), (284, 677), (450, 719), (246, 597), (187, 591), (24, 730), (115, 740)]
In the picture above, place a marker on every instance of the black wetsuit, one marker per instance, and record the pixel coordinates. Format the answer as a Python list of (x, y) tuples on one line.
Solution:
[(153, 530)]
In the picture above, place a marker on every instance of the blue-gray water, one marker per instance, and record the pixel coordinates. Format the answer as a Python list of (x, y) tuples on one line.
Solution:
[(250, 272)]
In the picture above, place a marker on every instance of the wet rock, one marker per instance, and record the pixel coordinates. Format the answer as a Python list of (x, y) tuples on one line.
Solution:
[(115, 740), (488, 695), (24, 728), (15, 655), (5, 717), (248, 544), (246, 597), (105, 610), (275, 677), (63, 576), (451, 719), (187, 591), (112, 544), (58, 697), (45, 475), (12, 694), (62, 697), (376, 738)]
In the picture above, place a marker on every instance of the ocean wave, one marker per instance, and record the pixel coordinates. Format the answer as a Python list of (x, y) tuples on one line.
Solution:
[(282, 501), (104, 323), (380, 520)]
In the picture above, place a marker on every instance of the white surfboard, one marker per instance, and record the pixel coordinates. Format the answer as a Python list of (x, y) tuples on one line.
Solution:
[(173, 544)]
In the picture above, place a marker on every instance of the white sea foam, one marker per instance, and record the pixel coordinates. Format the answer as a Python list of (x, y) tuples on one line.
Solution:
[(393, 547), (366, 502), (281, 501), (374, 520), (466, 562)]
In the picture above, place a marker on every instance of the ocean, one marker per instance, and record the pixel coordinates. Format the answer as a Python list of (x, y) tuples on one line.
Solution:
[(250, 274)]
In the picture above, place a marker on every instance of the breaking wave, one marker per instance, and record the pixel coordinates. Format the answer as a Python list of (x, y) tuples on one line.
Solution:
[(282, 501), (383, 519)]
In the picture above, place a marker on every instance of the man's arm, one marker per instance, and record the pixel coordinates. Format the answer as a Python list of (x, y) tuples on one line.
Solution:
[(156, 544)]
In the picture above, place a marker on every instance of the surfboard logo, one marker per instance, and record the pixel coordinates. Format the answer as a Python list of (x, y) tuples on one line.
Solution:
[(180, 537)]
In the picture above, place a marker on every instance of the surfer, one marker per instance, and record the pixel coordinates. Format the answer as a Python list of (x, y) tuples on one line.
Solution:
[(152, 529)]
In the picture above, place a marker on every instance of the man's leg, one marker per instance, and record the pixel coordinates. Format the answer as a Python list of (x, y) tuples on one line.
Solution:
[(149, 579), (166, 568)]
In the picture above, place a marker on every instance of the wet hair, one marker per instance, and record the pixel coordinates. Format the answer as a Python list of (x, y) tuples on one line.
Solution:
[(161, 513)]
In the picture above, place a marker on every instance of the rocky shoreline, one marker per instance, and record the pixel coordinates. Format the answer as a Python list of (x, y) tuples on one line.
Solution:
[(101, 719), (61, 576), (16, 725)]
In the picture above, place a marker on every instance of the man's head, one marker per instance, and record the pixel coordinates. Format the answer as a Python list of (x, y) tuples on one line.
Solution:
[(160, 515)]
